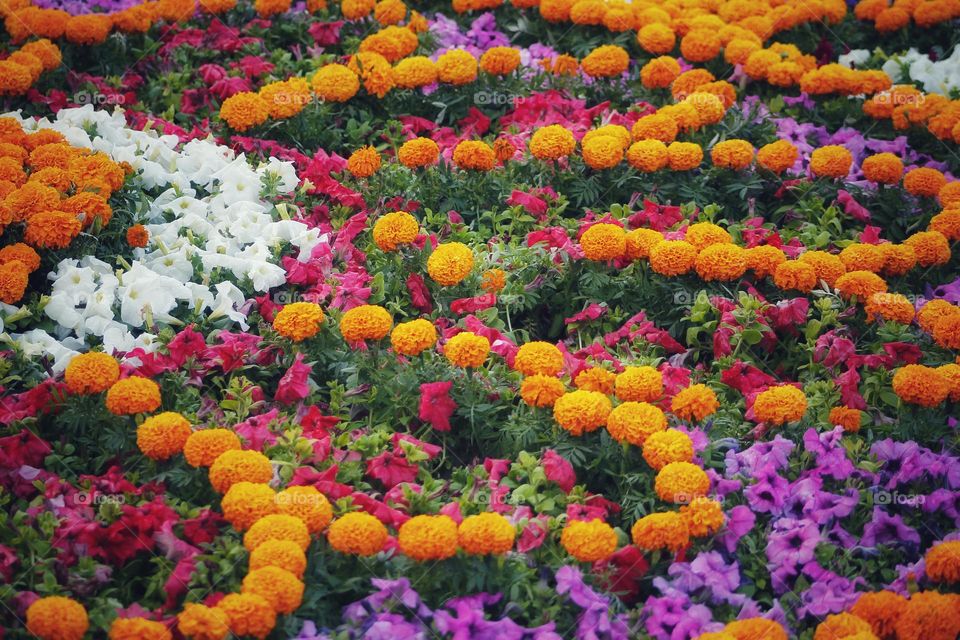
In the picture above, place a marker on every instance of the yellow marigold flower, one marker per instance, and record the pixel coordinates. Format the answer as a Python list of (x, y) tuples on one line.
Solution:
[(602, 152), (457, 67), (664, 447), (374, 71), (235, 465), (756, 629), (415, 71), (764, 260), (493, 280), (357, 9), (721, 262), (615, 131), (606, 61), (947, 222), (647, 155), (246, 502), (298, 321), (943, 562), (640, 241), (777, 156), (660, 72), (881, 609), (779, 404), (390, 12), (689, 81), (285, 554), (681, 482), (882, 168), (364, 162), (589, 541), (672, 257), (924, 181), (538, 357), (603, 242), (393, 43), (832, 161), (500, 61), (684, 156), (418, 152), (918, 384), (395, 228), (474, 154), (696, 402), (450, 263), (619, 18), (656, 126), (700, 45), (862, 284), (931, 248), (467, 350), (335, 83), (90, 373), (841, 625), (279, 587), (357, 533), (248, 614), (845, 417), (639, 384), (51, 230), (205, 446), (732, 154), (581, 411), (931, 313), (709, 109), (826, 266), (486, 534), (163, 436), (306, 503), (133, 395), (428, 537), (200, 622), (286, 98), (666, 530), (552, 142), (892, 307), (277, 526), (57, 618), (244, 110), (414, 337), (656, 38), (366, 322), (596, 379), (138, 629), (704, 516), (634, 422), (541, 390)]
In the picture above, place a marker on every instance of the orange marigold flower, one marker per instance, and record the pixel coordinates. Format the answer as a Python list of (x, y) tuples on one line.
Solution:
[(832, 161), (244, 110), (639, 384), (924, 181), (217, 6), (365, 322), (882, 168), (200, 622), (395, 228), (647, 155), (88, 29), (779, 404), (931, 248), (951, 372), (357, 9), (892, 307), (640, 241), (860, 256), (603, 242), (732, 154), (827, 266), (918, 384), (700, 45), (656, 126), (795, 274), (881, 609), (946, 331), (703, 515), (357, 533), (415, 71), (929, 616), (841, 625), (862, 284), (277, 526), (474, 154), (721, 262), (596, 379), (279, 587), (467, 350), (943, 562), (681, 482), (285, 554), (236, 465), (414, 337), (418, 152), (589, 541), (756, 629), (450, 263), (393, 43), (52, 229), (57, 618), (205, 446), (457, 67), (683, 156), (47, 52), (375, 72), (689, 81), (660, 72), (581, 411), (552, 142), (163, 436), (246, 502), (15, 79), (606, 61), (298, 321), (932, 312), (538, 357), (949, 195), (657, 38), (666, 530), (696, 402), (777, 156), (486, 534), (133, 395), (427, 537), (269, 8), (541, 390), (500, 61), (664, 447), (286, 98), (504, 150), (672, 257), (634, 422), (364, 162), (493, 280), (90, 373), (22, 253), (306, 503), (845, 417), (248, 614), (602, 152), (335, 83), (390, 12), (947, 222), (763, 260)]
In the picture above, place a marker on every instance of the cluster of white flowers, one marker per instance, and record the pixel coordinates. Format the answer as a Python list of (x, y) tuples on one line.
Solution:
[(208, 226), (942, 76)]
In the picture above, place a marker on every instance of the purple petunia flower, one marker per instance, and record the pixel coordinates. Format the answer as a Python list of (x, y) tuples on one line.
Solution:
[(885, 528)]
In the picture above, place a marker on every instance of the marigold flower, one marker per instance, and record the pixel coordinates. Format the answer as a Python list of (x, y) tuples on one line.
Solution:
[(364, 162), (47, 52), (930, 247), (603, 242), (14, 277), (639, 384), (949, 195), (681, 482), (138, 629), (666, 530), (393, 43), (841, 625), (672, 257), (57, 618), (493, 280), (589, 541), (269, 8), (504, 150), (943, 562), (640, 241), (634, 422), (427, 537), (606, 61), (602, 152), (374, 71), (657, 38), (205, 446), (656, 126), (246, 502), (200, 622), (306, 503), (596, 379), (647, 155), (827, 266), (732, 154), (924, 181), (248, 614), (862, 284), (163, 436), (414, 337), (555, 10), (951, 372), (133, 395), (474, 154), (90, 373), (660, 72), (845, 417), (779, 404), (541, 390), (862, 257), (721, 262), (700, 45), (882, 168), (486, 534), (929, 616), (357, 533), (947, 222), (756, 629), (15, 79), (892, 307), (298, 321), (696, 402), (684, 156), (930, 313), (795, 274), (777, 156), (286, 98), (881, 609), (52, 229), (235, 465), (917, 384), (450, 263), (538, 357), (552, 142), (703, 515), (832, 161), (663, 447), (581, 411), (279, 587), (244, 110), (277, 526), (137, 236), (467, 350), (418, 152), (457, 67), (500, 61), (357, 9), (365, 322), (390, 12), (395, 228), (217, 7), (763, 260), (335, 83), (285, 554)]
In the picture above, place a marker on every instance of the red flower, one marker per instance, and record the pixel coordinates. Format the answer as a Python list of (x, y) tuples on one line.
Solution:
[(294, 385), (391, 468), (326, 34), (436, 405), (419, 294), (626, 569), (325, 481), (474, 304), (559, 470)]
